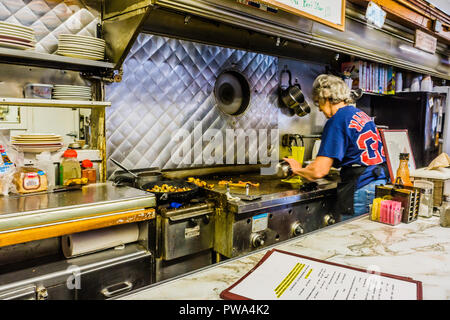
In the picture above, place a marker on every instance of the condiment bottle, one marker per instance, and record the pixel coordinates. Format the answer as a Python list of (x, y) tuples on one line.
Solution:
[(88, 171), (445, 212), (70, 167), (403, 170)]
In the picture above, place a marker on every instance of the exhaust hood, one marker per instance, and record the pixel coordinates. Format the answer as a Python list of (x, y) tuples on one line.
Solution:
[(286, 34)]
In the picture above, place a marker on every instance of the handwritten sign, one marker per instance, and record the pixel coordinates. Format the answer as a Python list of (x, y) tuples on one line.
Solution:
[(329, 12)]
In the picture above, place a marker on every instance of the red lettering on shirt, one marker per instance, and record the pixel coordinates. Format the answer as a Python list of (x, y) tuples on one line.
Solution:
[(379, 139), (359, 121), (355, 125), (363, 144)]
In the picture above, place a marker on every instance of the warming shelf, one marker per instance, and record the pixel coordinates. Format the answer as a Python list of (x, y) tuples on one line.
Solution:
[(54, 61), (52, 103)]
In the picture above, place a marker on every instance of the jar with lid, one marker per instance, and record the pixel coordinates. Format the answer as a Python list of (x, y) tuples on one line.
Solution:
[(445, 212), (69, 168), (88, 171)]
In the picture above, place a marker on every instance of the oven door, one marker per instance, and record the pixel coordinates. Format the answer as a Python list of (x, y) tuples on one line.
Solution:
[(185, 232)]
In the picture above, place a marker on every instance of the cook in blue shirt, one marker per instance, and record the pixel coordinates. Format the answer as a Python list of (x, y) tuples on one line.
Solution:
[(350, 141)]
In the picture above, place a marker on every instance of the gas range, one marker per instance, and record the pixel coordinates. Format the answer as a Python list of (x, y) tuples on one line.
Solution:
[(261, 216), (279, 211)]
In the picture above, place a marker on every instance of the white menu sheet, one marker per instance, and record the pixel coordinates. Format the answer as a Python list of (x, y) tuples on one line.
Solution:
[(284, 276)]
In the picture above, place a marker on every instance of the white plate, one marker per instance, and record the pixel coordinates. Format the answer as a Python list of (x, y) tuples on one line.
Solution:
[(37, 135), (79, 56), (72, 88), (68, 93), (17, 35), (22, 43), (72, 97), (81, 52), (71, 91), (80, 37), (14, 46), (39, 143), (80, 43), (38, 150), (85, 50), (66, 86), (16, 27)]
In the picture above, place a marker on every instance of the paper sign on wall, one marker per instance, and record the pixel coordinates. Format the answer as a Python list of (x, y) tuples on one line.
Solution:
[(329, 12)]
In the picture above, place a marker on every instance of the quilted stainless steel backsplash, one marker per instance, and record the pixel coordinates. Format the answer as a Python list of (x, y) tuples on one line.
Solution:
[(50, 18), (168, 85)]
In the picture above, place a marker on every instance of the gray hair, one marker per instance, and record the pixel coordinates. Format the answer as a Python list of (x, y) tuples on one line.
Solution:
[(332, 88)]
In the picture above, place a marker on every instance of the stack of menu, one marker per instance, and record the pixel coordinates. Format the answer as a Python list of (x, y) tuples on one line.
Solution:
[(282, 275)]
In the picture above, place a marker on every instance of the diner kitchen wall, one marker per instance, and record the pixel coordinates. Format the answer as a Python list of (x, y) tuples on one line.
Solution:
[(168, 85)]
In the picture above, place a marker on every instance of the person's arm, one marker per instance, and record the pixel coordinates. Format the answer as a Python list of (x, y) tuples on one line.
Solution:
[(317, 169)]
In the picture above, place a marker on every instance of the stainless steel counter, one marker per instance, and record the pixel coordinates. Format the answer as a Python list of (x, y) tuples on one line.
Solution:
[(28, 211)]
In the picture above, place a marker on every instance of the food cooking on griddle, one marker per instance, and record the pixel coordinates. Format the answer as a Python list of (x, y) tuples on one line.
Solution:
[(238, 184), (200, 183), (167, 188)]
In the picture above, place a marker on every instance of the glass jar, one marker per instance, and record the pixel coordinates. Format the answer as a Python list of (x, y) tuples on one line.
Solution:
[(70, 167), (445, 212), (426, 197), (426, 204)]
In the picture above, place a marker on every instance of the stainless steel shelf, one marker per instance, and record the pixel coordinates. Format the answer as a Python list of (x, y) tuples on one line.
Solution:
[(54, 61), (52, 103)]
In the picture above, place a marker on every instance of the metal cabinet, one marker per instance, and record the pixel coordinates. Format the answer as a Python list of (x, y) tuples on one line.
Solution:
[(114, 279), (100, 275)]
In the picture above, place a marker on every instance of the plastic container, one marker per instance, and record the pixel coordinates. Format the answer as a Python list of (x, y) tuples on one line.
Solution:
[(45, 163), (38, 91), (88, 171), (69, 168)]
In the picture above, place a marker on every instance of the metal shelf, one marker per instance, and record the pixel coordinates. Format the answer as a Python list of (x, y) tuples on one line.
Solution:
[(52, 103), (53, 61)]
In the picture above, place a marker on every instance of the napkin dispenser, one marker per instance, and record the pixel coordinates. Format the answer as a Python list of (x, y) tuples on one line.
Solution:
[(409, 197)]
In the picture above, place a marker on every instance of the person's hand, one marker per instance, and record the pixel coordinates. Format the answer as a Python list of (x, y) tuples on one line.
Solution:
[(295, 165)]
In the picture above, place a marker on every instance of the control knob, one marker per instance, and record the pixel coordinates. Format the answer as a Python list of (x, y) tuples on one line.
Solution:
[(257, 240), (297, 229), (328, 220)]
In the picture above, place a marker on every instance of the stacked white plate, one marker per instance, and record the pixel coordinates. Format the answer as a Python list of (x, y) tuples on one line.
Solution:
[(68, 92), (37, 142), (16, 36), (78, 46)]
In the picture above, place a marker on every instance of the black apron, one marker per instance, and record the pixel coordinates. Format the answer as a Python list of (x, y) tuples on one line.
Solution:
[(347, 187)]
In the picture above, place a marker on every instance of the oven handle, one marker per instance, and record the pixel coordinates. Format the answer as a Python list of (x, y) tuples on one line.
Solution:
[(126, 286), (189, 215)]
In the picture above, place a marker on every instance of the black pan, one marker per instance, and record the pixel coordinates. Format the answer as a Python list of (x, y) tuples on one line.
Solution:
[(165, 197), (232, 92)]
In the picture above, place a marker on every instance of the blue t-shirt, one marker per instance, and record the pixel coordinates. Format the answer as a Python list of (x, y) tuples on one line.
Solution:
[(351, 137)]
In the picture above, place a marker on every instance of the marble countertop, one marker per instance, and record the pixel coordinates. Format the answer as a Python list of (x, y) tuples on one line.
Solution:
[(420, 250)]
